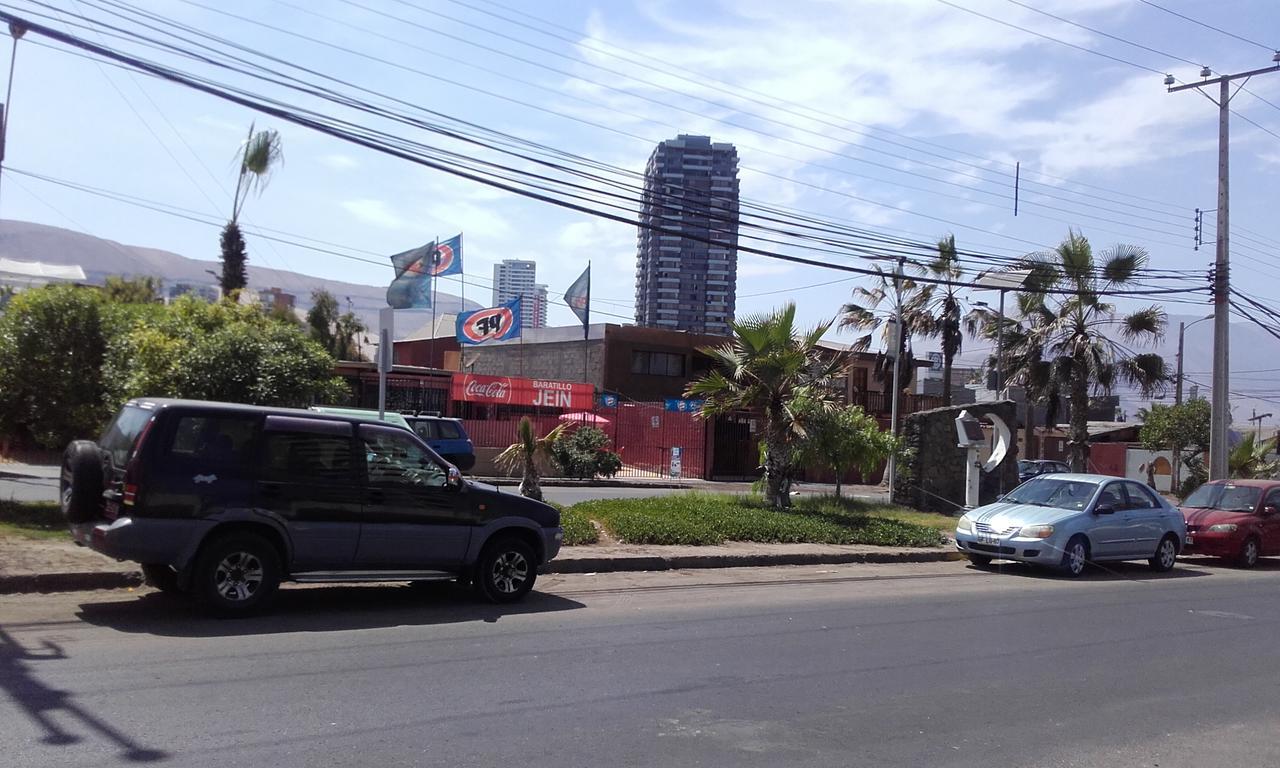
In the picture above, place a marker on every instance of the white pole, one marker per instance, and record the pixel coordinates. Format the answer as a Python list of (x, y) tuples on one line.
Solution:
[(897, 373), (386, 349)]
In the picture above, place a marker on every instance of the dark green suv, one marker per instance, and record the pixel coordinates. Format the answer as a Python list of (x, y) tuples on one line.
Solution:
[(225, 501)]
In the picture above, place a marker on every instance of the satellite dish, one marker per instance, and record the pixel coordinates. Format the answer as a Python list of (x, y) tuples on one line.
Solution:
[(1003, 437)]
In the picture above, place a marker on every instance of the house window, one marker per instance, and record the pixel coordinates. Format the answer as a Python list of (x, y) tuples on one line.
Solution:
[(657, 363)]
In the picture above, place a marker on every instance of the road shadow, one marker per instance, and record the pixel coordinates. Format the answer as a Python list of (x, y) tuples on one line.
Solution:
[(51, 709), (318, 609), (1111, 571)]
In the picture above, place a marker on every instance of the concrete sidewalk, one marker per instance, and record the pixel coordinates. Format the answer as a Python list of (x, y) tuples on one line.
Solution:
[(52, 565), (17, 469)]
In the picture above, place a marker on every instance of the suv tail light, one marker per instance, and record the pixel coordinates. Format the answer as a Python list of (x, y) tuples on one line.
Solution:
[(132, 469)]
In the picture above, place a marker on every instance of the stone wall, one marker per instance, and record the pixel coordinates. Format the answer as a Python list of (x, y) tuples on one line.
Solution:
[(931, 476), (559, 360)]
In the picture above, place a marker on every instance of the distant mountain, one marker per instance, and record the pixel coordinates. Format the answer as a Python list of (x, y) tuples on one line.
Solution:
[(100, 258)]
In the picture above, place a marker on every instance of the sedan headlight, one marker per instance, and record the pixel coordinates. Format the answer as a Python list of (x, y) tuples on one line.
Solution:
[(964, 525), (1035, 531), (1223, 528)]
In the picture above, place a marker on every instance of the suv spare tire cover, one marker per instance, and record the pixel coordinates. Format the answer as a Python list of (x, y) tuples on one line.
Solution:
[(81, 483)]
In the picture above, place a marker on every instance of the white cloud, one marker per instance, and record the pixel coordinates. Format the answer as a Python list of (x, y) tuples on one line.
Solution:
[(750, 265), (340, 162), (374, 212), (473, 219)]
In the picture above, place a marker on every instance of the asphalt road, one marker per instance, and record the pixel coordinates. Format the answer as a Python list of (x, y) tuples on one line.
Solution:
[(904, 665), (28, 488)]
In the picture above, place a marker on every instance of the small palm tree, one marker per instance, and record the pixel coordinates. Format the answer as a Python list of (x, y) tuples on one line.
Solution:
[(260, 153), (770, 366), (917, 320), (1251, 458), (525, 453), (1087, 343)]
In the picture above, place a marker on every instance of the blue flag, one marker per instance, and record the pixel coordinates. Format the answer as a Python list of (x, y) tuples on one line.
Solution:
[(578, 297), (492, 324), (411, 287), (447, 259)]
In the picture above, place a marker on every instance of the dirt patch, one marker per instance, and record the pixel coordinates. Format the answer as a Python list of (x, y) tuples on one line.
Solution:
[(21, 556)]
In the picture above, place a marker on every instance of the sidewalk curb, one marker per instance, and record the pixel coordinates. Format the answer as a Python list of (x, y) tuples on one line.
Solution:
[(678, 562), (89, 580), (68, 582)]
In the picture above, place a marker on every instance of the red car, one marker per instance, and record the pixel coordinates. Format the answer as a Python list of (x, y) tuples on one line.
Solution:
[(1234, 519)]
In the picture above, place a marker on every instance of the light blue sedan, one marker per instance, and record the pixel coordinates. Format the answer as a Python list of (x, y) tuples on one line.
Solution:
[(1069, 520)]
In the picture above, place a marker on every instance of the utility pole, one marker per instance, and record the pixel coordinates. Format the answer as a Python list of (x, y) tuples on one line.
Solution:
[(898, 347), (1220, 418)]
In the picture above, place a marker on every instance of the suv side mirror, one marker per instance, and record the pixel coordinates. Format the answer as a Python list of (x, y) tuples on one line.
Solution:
[(454, 479), (1104, 509), (1270, 510)]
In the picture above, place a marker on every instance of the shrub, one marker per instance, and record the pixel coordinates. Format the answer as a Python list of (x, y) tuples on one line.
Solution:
[(584, 453)]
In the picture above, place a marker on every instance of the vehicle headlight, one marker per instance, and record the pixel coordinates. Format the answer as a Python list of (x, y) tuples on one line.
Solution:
[(964, 525), (1222, 528), (1035, 531)]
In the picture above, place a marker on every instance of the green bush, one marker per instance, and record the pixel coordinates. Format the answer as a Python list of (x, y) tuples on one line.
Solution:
[(584, 453), (700, 519)]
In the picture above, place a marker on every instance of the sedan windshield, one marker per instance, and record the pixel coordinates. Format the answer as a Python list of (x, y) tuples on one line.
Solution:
[(1044, 492), (1234, 498)]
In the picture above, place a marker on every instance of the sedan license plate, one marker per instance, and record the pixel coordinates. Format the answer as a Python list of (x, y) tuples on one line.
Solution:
[(111, 510), (987, 539)]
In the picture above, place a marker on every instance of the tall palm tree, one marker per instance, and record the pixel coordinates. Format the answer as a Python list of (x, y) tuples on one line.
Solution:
[(1086, 341), (770, 366), (260, 153), (917, 320), (945, 309)]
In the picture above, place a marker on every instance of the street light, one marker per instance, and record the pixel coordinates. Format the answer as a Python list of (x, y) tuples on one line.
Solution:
[(1176, 476), (17, 30), (1003, 280)]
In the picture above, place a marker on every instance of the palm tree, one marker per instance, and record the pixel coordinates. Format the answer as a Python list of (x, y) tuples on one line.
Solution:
[(917, 320), (945, 309), (525, 453), (770, 366), (1084, 340), (258, 156), (1251, 458)]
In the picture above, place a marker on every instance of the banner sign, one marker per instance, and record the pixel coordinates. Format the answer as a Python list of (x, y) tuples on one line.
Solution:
[(492, 324), (411, 288), (683, 406), (509, 390)]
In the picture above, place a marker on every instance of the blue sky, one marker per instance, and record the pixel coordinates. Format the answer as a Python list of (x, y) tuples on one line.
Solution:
[(877, 71)]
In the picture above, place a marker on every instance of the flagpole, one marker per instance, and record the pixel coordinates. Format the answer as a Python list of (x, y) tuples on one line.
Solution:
[(462, 348), (586, 327), (431, 272)]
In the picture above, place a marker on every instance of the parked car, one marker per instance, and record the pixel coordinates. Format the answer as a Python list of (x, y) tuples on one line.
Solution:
[(448, 437), (225, 501), (1029, 468), (390, 417), (1234, 519), (1069, 520)]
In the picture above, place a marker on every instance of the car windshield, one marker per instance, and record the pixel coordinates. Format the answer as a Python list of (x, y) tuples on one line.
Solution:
[(1066, 494), (1234, 498), (1025, 466)]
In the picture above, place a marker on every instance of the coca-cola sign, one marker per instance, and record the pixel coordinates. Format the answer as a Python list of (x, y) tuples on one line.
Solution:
[(508, 390), (483, 389)]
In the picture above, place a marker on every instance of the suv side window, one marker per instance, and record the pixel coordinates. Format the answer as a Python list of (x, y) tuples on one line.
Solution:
[(448, 430), (223, 440), (395, 458), (1139, 496), (423, 428), (297, 457)]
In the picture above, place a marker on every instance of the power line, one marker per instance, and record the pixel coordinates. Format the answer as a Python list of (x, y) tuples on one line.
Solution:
[(1208, 26), (1107, 35)]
